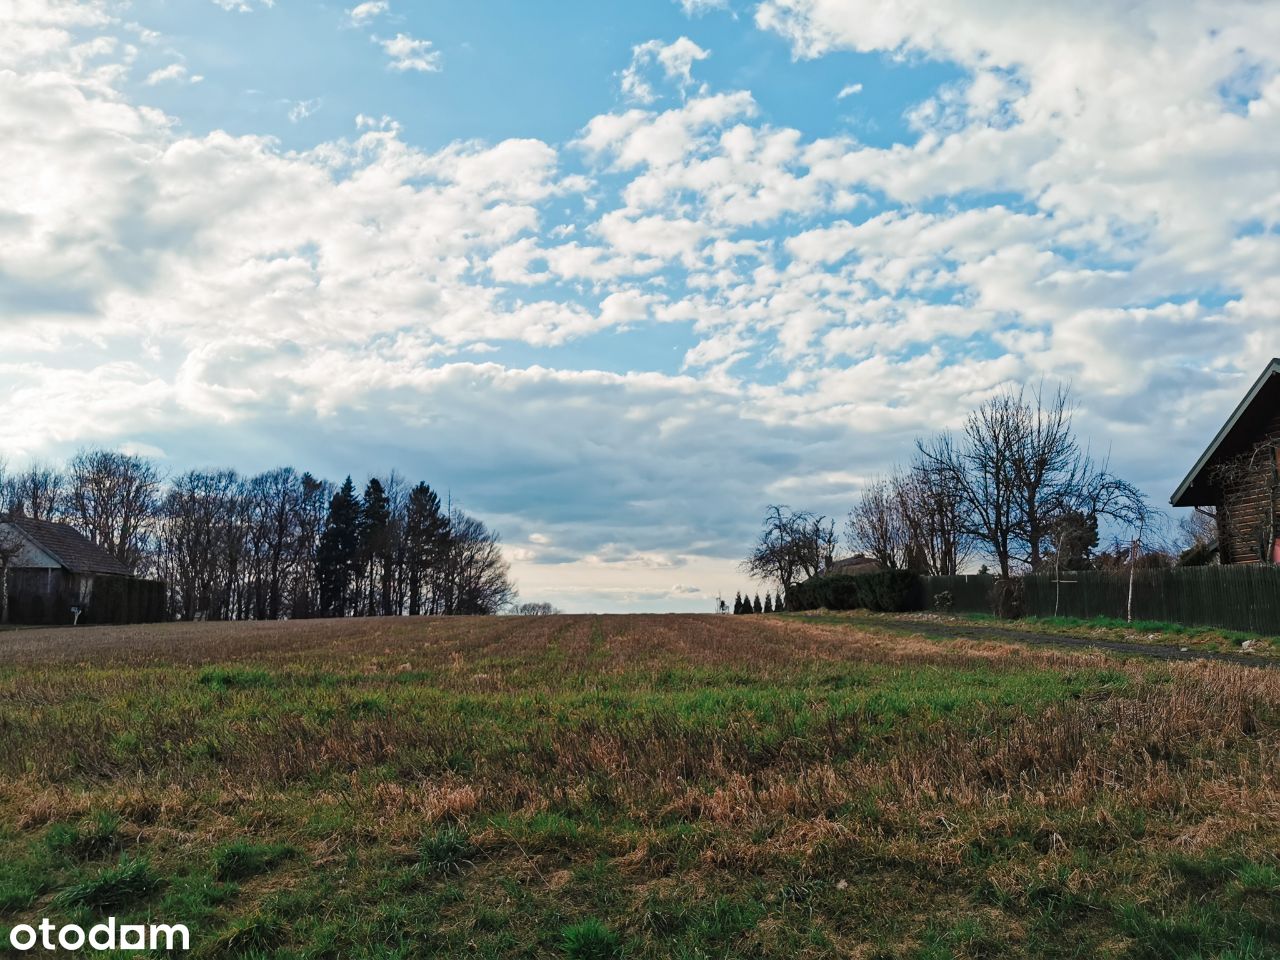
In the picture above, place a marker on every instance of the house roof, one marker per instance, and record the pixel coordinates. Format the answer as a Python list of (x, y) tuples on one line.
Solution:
[(1260, 403), (69, 547), (855, 565)]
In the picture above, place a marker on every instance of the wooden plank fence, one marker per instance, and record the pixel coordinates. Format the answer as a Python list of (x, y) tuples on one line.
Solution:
[(1233, 597)]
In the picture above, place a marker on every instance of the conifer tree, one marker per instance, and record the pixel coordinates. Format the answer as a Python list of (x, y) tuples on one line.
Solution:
[(426, 540), (337, 558), (737, 603), (375, 527), (778, 605), (768, 602), (755, 607)]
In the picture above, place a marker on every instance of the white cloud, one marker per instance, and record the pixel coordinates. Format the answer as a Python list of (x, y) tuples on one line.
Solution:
[(1096, 199), (299, 110), (243, 6), (173, 73), (696, 8), (408, 54), (676, 60), (848, 90), (362, 13)]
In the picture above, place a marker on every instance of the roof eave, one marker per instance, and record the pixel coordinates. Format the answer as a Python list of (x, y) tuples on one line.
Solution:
[(1180, 496)]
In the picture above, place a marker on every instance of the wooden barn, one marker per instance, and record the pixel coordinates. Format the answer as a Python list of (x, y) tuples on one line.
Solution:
[(1239, 476), (57, 575)]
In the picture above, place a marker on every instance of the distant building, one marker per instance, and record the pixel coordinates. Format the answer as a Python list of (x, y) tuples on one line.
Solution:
[(854, 566), (1239, 476), (60, 576)]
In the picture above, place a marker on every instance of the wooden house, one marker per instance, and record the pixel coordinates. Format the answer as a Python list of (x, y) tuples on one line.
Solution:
[(1239, 476), (60, 576)]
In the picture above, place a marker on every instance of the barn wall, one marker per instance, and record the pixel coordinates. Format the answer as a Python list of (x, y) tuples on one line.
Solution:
[(36, 598), (1248, 524)]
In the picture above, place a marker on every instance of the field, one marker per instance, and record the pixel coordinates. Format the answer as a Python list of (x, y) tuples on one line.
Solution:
[(644, 786)]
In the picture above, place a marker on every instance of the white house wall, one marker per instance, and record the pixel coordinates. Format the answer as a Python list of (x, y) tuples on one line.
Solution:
[(31, 556)]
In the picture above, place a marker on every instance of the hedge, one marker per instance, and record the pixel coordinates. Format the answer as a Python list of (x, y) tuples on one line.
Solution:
[(890, 590)]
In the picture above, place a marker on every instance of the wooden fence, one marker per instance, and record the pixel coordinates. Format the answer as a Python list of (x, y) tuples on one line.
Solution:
[(970, 593), (1233, 597)]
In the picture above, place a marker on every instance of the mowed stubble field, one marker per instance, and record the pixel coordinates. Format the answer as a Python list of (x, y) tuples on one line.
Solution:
[(636, 786)]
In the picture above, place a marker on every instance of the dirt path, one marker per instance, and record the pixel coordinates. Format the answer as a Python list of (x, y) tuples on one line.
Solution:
[(982, 631)]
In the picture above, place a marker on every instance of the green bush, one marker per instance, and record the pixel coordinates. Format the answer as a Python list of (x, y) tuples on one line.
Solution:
[(890, 591)]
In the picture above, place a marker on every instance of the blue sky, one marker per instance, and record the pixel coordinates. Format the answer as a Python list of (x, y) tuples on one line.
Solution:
[(619, 275)]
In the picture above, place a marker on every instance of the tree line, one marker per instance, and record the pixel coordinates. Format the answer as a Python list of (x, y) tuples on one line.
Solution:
[(1014, 486), (745, 604), (279, 544)]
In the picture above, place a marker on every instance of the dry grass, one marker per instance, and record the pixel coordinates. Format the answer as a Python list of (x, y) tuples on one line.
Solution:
[(704, 786)]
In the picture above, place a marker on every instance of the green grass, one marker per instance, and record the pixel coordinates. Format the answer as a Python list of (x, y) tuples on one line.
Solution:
[(240, 860), (121, 885), (644, 788)]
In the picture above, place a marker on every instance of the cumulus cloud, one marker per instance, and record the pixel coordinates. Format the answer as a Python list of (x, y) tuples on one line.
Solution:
[(1095, 199), (696, 8), (173, 73), (676, 60), (409, 54), (362, 13)]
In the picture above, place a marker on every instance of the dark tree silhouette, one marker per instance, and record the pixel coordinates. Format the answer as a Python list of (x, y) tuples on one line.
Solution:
[(337, 561)]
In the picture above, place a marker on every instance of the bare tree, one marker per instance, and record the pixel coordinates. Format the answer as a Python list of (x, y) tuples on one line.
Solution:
[(38, 492), (536, 610), (1018, 469), (478, 577), (793, 545), (933, 514), (113, 499), (10, 550), (877, 525), (980, 470)]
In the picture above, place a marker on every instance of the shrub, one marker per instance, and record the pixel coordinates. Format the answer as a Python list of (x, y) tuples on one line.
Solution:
[(889, 590), (1008, 598), (943, 601)]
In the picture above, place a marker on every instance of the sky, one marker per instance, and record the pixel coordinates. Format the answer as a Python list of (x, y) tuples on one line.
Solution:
[(619, 275)]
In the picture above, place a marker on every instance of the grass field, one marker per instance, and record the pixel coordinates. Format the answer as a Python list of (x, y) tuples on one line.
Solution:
[(645, 786)]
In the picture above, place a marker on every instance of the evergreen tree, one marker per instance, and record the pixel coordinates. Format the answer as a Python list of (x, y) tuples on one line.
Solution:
[(778, 605), (746, 602), (768, 603), (755, 607), (737, 603), (337, 558), (375, 529), (426, 540)]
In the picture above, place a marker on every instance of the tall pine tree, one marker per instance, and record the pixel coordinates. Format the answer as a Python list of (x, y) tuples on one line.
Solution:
[(755, 607), (337, 559), (426, 540), (737, 603), (375, 530)]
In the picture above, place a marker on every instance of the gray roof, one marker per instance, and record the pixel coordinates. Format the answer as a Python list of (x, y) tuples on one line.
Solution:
[(69, 547), (1191, 492)]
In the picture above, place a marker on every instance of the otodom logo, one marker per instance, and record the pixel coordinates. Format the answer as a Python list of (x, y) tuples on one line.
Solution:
[(101, 936)]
